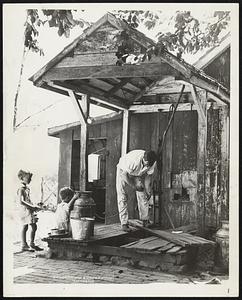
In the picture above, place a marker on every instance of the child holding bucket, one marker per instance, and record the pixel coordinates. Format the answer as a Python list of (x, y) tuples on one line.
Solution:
[(27, 211), (68, 197)]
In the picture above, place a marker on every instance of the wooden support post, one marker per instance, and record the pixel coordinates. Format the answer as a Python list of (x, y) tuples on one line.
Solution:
[(224, 167), (125, 132), (198, 103), (83, 145), (83, 113), (81, 110), (201, 160)]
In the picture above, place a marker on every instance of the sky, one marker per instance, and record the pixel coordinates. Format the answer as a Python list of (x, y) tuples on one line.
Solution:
[(30, 147)]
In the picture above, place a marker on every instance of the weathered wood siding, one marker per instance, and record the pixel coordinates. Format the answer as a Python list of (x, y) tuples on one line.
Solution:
[(64, 172), (217, 168), (114, 131), (179, 176), (220, 68)]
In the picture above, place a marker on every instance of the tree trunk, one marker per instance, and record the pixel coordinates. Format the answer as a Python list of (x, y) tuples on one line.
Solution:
[(18, 89)]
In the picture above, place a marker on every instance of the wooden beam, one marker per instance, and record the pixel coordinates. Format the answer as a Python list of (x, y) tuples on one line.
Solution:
[(201, 163), (81, 115), (144, 90), (210, 86), (109, 105), (216, 99), (198, 104), (94, 88), (85, 104), (143, 70), (103, 104), (84, 110), (171, 237), (125, 132), (147, 108), (126, 89), (151, 108), (106, 118), (83, 146), (196, 77), (167, 89), (164, 99), (117, 87), (95, 94), (55, 131)]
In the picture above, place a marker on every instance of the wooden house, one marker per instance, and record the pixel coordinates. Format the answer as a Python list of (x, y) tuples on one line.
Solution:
[(193, 185)]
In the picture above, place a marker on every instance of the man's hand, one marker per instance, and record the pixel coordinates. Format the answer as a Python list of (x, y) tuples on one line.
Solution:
[(139, 186)]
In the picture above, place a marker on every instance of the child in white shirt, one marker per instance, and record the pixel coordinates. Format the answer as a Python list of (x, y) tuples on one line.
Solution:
[(62, 213)]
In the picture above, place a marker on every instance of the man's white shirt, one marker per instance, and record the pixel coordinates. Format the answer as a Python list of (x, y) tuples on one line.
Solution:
[(132, 163)]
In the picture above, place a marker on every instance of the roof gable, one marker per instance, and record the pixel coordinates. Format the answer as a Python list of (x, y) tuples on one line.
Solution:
[(108, 23), (98, 75)]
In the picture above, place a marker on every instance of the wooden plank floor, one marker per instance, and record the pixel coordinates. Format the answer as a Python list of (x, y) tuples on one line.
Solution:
[(139, 246), (159, 242), (101, 232), (154, 244), (180, 239)]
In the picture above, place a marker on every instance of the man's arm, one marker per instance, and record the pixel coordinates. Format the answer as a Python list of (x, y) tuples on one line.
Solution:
[(128, 179), (148, 185)]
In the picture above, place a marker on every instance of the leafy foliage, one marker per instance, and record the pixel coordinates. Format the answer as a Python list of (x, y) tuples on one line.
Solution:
[(62, 19), (31, 32), (188, 34)]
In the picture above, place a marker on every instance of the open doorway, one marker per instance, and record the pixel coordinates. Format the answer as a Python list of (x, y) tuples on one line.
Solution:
[(97, 186)]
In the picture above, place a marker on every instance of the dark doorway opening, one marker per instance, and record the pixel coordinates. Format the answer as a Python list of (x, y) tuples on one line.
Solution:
[(98, 186)]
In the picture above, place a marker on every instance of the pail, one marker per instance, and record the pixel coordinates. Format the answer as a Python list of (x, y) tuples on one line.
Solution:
[(82, 229), (222, 239)]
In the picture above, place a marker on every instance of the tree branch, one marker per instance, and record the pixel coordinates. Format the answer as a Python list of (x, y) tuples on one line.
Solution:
[(47, 107)]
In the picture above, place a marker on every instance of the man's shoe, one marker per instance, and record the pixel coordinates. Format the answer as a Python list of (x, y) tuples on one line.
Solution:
[(147, 224), (26, 248), (125, 227), (36, 248)]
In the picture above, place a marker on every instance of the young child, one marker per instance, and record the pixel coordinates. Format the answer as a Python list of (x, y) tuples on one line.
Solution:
[(27, 211), (68, 197)]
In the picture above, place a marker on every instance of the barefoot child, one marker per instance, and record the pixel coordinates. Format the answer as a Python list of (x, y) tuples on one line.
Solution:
[(27, 211), (68, 197)]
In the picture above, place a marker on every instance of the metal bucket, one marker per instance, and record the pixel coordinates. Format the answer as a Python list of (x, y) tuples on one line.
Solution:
[(222, 251), (82, 229)]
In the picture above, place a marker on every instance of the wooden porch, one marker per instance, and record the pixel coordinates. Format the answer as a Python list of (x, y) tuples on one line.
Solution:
[(150, 248)]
